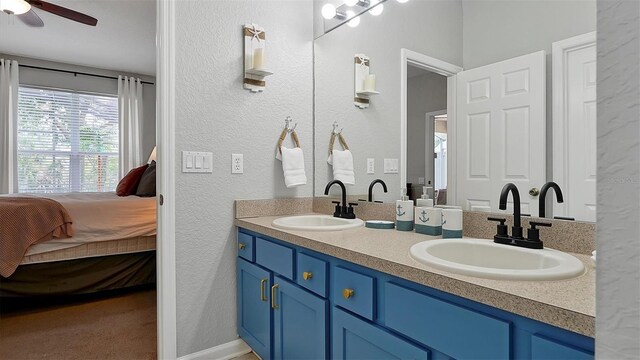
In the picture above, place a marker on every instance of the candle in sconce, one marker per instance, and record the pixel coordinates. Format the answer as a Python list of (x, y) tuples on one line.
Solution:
[(258, 58), (370, 83)]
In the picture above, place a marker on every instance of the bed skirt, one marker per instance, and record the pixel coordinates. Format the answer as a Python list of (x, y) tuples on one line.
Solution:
[(81, 276)]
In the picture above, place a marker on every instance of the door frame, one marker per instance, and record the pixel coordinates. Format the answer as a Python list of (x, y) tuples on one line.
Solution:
[(165, 142), (408, 57), (430, 117), (560, 51)]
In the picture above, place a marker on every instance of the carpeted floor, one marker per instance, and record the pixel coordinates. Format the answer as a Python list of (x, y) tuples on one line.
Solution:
[(120, 326)]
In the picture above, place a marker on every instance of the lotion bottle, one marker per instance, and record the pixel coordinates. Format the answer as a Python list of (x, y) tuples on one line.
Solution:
[(404, 212)]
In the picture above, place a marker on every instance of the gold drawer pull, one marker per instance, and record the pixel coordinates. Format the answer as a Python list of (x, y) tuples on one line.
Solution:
[(273, 296), (241, 246), (307, 275), (347, 293), (263, 297)]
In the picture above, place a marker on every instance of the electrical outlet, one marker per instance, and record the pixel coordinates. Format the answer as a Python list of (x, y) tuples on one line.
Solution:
[(237, 164), (371, 165)]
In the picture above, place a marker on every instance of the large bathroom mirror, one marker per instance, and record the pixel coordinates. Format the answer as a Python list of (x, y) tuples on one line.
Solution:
[(462, 97)]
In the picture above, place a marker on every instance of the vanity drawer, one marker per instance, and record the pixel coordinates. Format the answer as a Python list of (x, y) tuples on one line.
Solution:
[(274, 257), (245, 246), (354, 291), (448, 328), (312, 274), (547, 349)]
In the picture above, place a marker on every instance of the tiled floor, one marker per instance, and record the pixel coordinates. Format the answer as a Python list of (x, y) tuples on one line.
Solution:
[(249, 356)]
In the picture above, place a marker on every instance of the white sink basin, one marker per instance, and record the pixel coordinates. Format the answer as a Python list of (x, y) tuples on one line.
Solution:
[(486, 259), (316, 223)]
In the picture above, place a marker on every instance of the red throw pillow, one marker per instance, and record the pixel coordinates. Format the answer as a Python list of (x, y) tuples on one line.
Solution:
[(129, 183)]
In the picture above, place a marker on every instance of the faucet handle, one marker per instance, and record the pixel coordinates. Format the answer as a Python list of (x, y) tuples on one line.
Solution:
[(502, 229), (338, 210), (353, 204), (533, 234)]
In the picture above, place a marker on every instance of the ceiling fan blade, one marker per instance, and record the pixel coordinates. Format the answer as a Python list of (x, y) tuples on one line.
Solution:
[(64, 12), (31, 19)]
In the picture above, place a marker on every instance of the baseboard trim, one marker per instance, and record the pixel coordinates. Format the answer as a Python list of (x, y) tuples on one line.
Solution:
[(225, 351)]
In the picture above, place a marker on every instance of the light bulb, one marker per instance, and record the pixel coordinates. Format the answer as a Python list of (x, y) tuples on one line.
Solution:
[(15, 7), (328, 11), (355, 21), (402, 1), (377, 8), (351, 2)]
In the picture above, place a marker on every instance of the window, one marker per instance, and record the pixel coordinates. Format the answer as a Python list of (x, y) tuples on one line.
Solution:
[(67, 141)]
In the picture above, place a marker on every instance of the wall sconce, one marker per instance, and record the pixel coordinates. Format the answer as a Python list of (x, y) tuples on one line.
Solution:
[(255, 71), (364, 82)]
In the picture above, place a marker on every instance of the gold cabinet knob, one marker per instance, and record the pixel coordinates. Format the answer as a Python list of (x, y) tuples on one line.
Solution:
[(307, 275), (241, 246), (347, 293)]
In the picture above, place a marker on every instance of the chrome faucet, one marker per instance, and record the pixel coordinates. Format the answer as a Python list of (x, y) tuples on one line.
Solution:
[(341, 211), (373, 183), (543, 196)]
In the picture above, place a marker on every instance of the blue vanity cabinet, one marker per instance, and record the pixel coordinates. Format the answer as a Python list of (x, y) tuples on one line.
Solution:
[(296, 303), (299, 323), (254, 311), (354, 338)]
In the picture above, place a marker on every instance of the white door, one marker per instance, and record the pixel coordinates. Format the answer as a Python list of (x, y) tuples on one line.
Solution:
[(501, 124), (574, 129)]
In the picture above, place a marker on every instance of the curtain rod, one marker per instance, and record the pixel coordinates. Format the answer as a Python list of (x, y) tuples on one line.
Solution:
[(76, 73)]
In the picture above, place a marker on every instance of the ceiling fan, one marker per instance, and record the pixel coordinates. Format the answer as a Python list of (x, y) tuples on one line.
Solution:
[(24, 10)]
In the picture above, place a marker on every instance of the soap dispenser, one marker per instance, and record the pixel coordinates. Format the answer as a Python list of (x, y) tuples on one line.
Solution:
[(424, 200), (404, 212)]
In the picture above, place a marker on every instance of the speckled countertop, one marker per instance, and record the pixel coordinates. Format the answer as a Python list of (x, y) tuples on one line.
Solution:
[(568, 304)]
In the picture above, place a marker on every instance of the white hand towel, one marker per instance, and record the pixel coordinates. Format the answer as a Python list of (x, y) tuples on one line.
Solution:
[(342, 161), (293, 167)]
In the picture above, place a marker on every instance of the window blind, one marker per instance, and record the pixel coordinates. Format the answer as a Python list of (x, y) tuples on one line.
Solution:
[(67, 141)]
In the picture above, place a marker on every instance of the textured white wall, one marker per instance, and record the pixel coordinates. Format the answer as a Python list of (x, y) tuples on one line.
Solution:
[(214, 113), (426, 93), (618, 280), (433, 28)]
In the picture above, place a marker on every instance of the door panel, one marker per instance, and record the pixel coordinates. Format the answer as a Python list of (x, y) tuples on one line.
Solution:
[(357, 339), (501, 130), (581, 129), (254, 312), (300, 323)]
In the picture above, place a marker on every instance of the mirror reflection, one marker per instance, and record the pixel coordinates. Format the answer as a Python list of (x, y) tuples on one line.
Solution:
[(469, 96)]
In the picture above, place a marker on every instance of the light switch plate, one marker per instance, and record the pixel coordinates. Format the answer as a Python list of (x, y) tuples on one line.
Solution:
[(197, 162), (237, 164), (390, 166), (371, 166)]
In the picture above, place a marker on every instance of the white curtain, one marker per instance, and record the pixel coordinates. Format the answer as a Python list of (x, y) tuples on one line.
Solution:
[(8, 126), (130, 113)]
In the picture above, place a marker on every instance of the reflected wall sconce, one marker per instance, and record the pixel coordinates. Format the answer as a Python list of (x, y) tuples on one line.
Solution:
[(364, 82), (255, 70)]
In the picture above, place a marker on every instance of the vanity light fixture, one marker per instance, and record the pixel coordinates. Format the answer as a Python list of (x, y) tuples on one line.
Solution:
[(329, 11), (402, 1), (351, 3), (376, 8), (15, 7), (355, 20)]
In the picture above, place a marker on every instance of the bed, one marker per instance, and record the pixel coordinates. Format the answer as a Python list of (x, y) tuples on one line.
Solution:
[(113, 246)]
